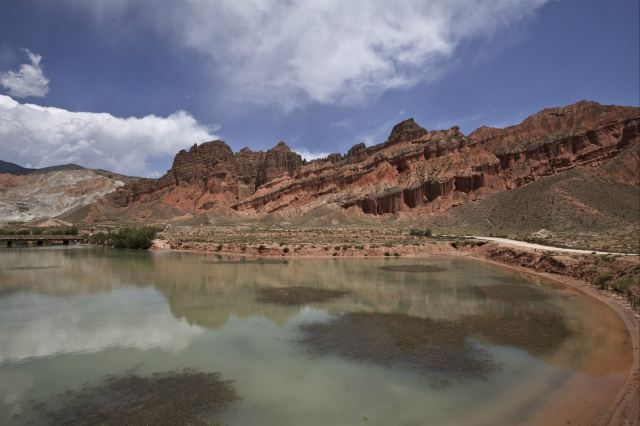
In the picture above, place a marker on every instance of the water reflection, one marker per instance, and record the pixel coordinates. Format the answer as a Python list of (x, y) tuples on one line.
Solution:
[(200, 291), (42, 325), (110, 309)]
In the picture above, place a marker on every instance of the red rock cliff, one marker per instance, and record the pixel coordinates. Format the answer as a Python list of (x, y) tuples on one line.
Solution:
[(414, 168)]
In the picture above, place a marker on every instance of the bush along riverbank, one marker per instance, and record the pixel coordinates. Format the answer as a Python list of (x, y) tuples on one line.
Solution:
[(131, 238)]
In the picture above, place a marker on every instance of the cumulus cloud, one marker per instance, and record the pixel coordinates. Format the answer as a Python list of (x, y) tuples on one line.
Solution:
[(40, 136), (29, 80), (296, 52)]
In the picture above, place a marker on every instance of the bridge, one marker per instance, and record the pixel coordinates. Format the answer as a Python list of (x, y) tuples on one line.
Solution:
[(40, 239)]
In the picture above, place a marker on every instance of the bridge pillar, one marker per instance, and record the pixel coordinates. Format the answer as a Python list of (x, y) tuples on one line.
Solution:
[(39, 242), (9, 243), (65, 242)]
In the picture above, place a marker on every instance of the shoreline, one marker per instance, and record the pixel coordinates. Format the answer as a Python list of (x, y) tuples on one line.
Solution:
[(624, 408)]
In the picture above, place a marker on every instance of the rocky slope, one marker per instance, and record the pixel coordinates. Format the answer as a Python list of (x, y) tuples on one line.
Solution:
[(415, 172), (585, 207), (35, 194), (207, 179)]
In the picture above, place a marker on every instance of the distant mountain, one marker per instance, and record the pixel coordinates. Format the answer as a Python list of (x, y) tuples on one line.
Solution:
[(15, 169)]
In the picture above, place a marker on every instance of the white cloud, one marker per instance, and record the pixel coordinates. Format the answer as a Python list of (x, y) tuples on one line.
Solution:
[(28, 81), (43, 136), (326, 51), (345, 123), (310, 155)]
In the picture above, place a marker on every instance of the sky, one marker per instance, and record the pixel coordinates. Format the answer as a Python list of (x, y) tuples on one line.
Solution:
[(125, 84)]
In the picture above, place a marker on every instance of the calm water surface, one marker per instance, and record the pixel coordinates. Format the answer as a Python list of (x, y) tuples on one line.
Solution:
[(69, 316)]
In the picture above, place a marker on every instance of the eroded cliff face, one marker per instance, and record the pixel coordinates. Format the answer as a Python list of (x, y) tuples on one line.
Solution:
[(277, 161), (415, 170), (210, 174)]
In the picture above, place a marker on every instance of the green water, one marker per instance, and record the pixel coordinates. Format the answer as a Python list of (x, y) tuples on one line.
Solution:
[(69, 316)]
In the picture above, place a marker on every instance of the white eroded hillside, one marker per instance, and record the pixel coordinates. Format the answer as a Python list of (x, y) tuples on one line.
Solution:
[(50, 194)]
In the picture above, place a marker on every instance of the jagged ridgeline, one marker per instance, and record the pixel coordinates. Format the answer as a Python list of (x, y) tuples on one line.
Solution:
[(415, 170)]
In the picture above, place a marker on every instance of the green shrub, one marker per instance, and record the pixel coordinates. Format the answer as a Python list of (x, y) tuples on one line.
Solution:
[(421, 233), (135, 238), (62, 230), (602, 280), (100, 238), (131, 238), (622, 285)]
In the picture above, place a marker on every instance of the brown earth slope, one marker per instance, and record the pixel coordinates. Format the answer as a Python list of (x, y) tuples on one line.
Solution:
[(595, 208)]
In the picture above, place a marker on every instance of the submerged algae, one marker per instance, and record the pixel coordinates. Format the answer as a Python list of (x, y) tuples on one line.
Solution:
[(174, 397)]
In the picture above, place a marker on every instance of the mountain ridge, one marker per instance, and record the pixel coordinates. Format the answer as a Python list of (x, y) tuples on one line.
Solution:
[(414, 173), (18, 170), (413, 170)]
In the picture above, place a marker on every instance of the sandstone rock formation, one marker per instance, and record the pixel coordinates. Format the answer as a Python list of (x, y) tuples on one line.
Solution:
[(211, 174), (413, 171), (277, 161)]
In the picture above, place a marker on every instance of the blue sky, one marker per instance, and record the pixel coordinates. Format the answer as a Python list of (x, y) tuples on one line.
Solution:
[(124, 84)]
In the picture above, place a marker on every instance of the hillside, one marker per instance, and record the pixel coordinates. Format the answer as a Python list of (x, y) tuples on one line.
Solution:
[(595, 208), (36, 194)]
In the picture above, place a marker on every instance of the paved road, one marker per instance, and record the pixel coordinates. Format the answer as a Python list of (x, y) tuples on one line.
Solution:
[(516, 243)]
